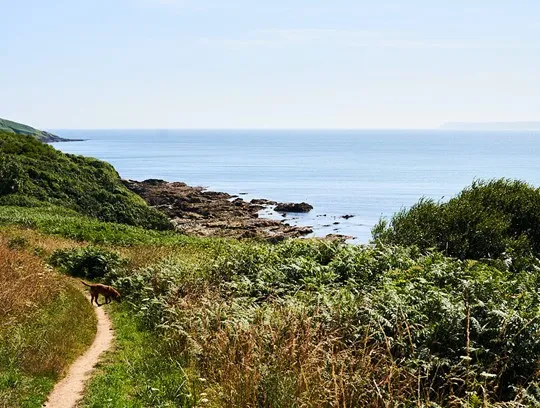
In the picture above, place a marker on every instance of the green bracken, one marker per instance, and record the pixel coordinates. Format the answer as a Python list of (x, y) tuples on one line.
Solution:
[(317, 324)]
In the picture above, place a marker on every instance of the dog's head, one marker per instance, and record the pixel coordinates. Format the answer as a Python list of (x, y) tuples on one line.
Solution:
[(116, 296)]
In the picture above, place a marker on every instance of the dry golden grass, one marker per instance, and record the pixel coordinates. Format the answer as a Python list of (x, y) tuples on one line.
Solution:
[(36, 241), (27, 285), (285, 358), (144, 255), (45, 322), (141, 256)]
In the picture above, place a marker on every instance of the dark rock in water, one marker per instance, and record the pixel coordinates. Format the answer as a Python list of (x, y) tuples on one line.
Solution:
[(347, 216), (242, 193), (336, 223), (293, 207), (283, 214), (326, 225), (263, 201)]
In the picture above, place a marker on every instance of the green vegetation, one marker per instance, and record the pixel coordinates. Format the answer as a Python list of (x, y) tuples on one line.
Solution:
[(302, 323), (34, 174), (319, 324), (58, 221), (490, 219), (9, 126), (87, 262), (139, 372), (45, 323), (442, 310)]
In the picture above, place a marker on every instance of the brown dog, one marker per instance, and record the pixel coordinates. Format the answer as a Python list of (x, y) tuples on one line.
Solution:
[(107, 291)]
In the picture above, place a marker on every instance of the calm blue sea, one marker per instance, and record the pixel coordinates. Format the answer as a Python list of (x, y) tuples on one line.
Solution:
[(365, 173)]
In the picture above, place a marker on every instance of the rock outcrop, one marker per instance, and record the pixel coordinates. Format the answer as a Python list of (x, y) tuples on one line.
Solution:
[(195, 211), (293, 207)]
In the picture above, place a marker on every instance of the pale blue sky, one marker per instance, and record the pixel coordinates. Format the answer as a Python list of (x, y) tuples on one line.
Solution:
[(268, 64)]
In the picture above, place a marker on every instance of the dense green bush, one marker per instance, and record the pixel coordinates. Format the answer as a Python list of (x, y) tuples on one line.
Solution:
[(489, 219), (88, 262), (33, 173), (10, 176)]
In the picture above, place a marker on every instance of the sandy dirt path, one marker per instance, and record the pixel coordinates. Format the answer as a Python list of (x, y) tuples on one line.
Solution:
[(69, 391)]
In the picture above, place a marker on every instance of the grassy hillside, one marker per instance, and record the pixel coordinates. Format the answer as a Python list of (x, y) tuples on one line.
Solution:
[(9, 126), (35, 174)]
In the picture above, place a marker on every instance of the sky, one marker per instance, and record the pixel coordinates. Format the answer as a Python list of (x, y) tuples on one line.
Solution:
[(268, 64)]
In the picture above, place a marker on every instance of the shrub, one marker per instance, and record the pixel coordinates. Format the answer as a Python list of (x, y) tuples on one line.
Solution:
[(89, 262), (34, 172), (489, 219), (10, 176)]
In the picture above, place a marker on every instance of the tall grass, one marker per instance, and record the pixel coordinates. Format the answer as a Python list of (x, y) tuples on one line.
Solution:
[(45, 323), (318, 324)]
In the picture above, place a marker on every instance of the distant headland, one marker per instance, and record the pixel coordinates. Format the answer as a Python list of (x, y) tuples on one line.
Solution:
[(20, 129), (492, 125)]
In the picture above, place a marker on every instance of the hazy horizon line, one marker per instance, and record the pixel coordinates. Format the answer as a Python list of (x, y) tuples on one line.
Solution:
[(441, 128)]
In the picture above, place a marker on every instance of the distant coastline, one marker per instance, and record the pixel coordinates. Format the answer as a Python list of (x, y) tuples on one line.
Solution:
[(43, 136), (492, 126)]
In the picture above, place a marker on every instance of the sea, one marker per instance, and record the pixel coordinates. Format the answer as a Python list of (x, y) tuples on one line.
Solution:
[(366, 174)]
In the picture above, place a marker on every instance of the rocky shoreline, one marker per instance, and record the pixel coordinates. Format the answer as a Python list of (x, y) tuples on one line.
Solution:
[(195, 211)]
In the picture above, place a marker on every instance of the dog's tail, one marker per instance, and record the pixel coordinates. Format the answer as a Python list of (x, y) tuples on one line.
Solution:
[(86, 284)]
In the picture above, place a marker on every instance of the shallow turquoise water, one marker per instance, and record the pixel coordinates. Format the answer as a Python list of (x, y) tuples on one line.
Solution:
[(364, 173)]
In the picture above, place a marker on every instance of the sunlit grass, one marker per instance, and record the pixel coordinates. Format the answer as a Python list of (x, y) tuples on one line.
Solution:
[(45, 323)]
